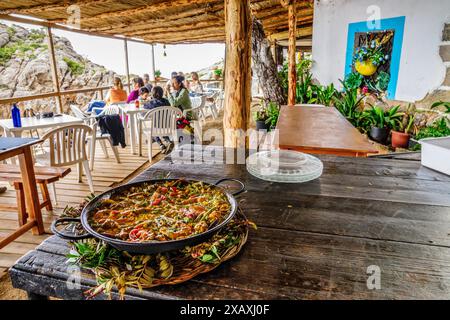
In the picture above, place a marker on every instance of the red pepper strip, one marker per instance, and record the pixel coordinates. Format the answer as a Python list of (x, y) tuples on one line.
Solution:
[(156, 202)]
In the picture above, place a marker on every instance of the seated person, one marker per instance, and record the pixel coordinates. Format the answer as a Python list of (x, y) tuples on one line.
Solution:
[(134, 95), (116, 93), (157, 101), (196, 86), (147, 82), (180, 97), (168, 89)]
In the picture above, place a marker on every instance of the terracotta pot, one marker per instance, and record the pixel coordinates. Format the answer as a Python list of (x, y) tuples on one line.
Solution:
[(216, 76), (379, 135), (366, 68), (400, 139)]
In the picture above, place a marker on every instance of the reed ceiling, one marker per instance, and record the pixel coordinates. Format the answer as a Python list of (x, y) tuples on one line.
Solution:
[(161, 21)]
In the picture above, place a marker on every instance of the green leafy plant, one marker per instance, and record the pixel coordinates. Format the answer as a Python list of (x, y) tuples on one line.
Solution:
[(324, 94), (75, 67), (273, 112), (409, 123), (437, 130), (353, 81), (373, 52), (348, 103), (379, 118), (157, 73), (218, 73)]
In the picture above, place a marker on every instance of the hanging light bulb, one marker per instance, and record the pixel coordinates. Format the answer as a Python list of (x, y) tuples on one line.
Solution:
[(165, 53)]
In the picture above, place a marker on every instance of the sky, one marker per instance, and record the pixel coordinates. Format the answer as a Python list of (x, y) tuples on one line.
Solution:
[(110, 53)]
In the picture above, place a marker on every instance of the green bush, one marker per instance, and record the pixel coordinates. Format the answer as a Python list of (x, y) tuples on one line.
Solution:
[(75, 67)]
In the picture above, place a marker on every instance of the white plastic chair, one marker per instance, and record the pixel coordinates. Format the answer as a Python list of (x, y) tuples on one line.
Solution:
[(67, 147), (96, 135), (158, 122), (212, 104), (198, 107)]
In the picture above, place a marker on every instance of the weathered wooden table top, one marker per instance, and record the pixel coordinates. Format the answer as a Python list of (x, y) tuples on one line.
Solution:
[(314, 240), (320, 130)]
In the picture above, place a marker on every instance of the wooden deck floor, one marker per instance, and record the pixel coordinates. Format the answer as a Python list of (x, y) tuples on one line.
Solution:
[(107, 173)]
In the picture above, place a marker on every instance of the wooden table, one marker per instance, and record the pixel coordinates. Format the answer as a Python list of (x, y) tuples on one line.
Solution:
[(12, 147), (315, 240), (320, 130)]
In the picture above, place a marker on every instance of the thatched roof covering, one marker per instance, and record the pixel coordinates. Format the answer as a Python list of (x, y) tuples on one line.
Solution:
[(162, 21)]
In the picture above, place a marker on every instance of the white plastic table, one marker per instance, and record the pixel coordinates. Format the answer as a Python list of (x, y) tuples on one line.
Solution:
[(33, 123), (131, 111)]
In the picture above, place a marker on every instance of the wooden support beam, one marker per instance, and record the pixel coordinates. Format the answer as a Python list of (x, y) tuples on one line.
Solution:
[(302, 32), (54, 69), (127, 65), (59, 5), (292, 77), (238, 30), (153, 63), (145, 9)]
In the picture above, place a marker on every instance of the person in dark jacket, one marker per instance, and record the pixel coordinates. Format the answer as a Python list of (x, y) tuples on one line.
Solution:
[(157, 99)]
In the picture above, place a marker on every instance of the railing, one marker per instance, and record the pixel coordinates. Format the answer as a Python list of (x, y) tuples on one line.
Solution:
[(53, 94)]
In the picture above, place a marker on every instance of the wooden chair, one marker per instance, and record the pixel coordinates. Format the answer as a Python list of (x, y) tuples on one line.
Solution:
[(96, 135), (44, 177), (67, 146), (158, 122)]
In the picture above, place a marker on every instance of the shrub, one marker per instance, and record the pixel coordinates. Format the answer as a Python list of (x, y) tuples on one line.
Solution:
[(75, 67)]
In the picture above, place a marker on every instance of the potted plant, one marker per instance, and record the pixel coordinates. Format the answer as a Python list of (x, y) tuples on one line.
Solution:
[(368, 58), (266, 118), (382, 121), (217, 74), (400, 139), (157, 75), (261, 118)]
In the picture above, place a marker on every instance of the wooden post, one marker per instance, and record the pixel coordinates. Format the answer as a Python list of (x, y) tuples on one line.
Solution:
[(292, 49), (54, 68), (237, 72), (127, 65), (153, 64)]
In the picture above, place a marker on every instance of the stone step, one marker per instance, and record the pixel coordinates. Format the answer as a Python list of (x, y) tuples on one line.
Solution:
[(446, 32)]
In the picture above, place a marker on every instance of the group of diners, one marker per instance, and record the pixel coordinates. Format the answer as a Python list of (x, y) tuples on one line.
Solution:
[(176, 93)]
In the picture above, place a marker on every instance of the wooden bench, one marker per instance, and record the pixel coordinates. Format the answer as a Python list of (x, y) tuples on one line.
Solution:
[(43, 176)]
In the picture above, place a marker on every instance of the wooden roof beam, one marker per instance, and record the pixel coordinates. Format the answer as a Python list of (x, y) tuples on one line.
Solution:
[(58, 5), (147, 9)]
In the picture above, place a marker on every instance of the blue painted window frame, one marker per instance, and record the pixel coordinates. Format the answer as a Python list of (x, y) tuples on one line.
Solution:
[(397, 24)]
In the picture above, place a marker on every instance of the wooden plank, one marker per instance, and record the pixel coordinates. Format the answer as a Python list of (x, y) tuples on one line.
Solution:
[(54, 69)]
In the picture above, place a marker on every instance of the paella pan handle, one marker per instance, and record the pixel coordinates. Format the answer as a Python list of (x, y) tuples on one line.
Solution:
[(72, 236), (241, 189)]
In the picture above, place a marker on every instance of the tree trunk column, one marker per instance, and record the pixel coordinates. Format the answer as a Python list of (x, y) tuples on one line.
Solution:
[(238, 30), (292, 49)]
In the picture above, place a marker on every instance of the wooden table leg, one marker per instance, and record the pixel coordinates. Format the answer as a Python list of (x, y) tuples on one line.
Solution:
[(31, 194)]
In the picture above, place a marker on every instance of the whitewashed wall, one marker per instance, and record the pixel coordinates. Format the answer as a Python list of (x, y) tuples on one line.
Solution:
[(421, 68)]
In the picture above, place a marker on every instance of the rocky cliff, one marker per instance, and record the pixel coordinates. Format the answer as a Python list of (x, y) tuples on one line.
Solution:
[(25, 69)]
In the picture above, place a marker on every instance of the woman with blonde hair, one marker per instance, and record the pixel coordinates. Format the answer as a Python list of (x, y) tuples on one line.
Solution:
[(116, 93), (195, 86)]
